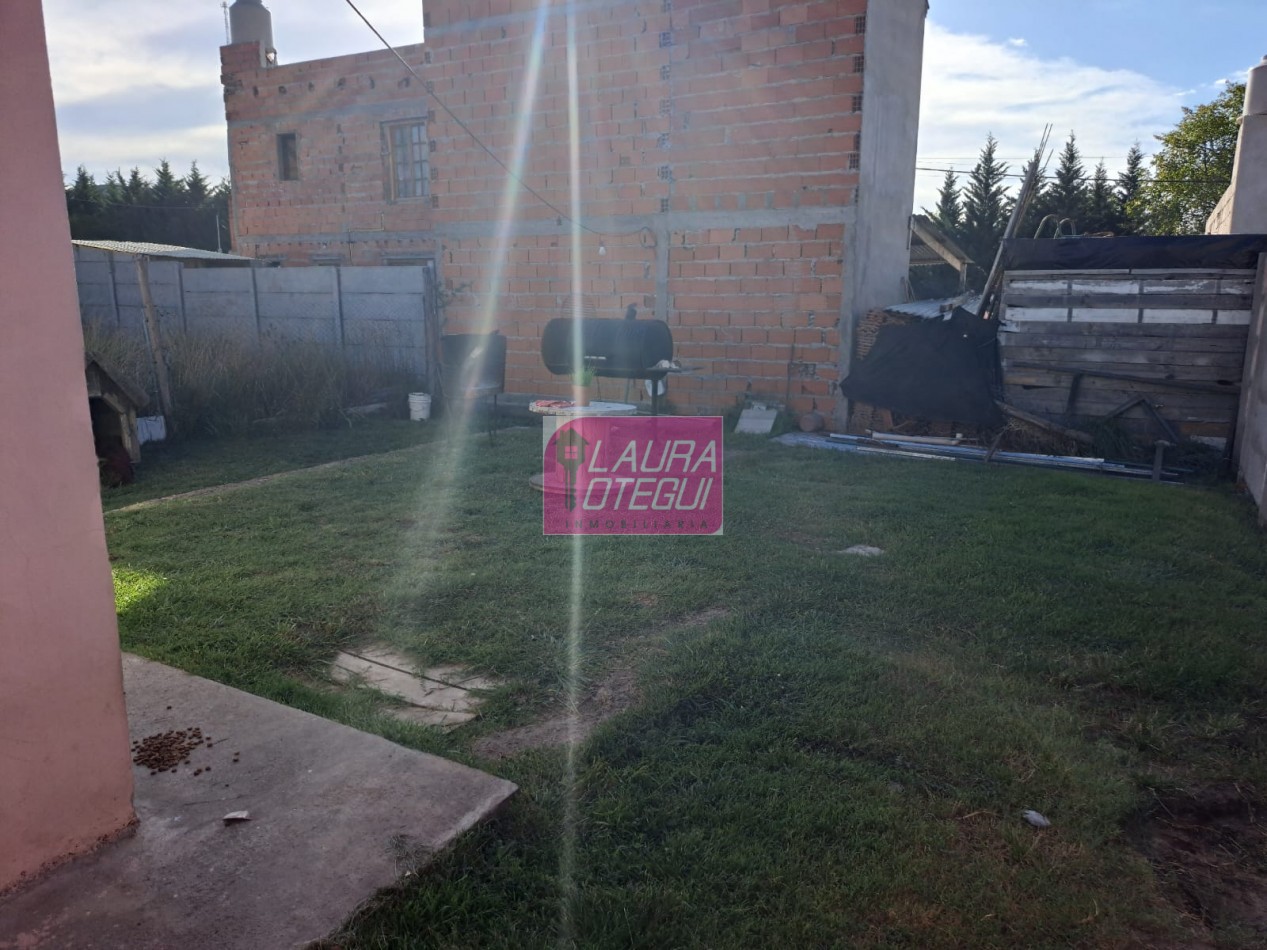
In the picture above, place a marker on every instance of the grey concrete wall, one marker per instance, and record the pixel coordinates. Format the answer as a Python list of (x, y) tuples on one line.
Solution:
[(110, 297), (220, 301), (376, 314), (1251, 429), (298, 303), (878, 245), (383, 313)]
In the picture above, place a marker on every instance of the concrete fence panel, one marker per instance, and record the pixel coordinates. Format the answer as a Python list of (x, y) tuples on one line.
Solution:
[(96, 288), (298, 303), (375, 314), (164, 290), (384, 279), (221, 302)]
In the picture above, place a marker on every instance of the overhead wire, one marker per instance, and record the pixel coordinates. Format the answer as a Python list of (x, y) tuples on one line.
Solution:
[(1082, 178)]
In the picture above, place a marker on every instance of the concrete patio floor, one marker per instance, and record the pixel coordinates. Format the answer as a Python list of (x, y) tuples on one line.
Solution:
[(335, 815)]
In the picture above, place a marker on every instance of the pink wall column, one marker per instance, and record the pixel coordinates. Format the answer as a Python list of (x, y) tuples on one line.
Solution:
[(65, 775)]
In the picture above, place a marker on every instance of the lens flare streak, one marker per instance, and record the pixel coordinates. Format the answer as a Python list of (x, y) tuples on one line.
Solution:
[(567, 859)]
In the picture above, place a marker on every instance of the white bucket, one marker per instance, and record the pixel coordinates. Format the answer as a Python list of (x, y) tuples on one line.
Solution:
[(419, 407)]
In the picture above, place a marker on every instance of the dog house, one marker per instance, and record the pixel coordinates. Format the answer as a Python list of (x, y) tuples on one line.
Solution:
[(113, 402)]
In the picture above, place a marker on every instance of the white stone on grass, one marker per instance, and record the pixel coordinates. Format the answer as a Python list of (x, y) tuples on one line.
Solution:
[(863, 550)]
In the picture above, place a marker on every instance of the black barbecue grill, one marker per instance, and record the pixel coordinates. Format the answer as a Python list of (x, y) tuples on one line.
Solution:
[(615, 349)]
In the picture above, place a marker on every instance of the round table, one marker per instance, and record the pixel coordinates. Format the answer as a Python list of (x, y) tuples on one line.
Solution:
[(557, 411), (566, 409)]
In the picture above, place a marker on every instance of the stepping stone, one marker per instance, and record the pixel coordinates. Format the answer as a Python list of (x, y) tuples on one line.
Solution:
[(474, 683), (442, 696), (457, 676)]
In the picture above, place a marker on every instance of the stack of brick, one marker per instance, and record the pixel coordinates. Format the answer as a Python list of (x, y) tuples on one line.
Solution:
[(864, 417)]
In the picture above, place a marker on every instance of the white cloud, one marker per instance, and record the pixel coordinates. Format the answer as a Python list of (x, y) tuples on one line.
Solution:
[(1017, 41), (106, 151), (303, 31), (974, 85), (103, 47), (106, 47), (105, 51), (1217, 86)]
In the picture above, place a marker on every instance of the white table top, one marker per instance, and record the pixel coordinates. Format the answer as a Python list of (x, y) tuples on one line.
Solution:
[(562, 407)]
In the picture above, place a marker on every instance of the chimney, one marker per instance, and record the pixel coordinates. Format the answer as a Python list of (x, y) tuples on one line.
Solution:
[(1243, 208), (1256, 90), (250, 22)]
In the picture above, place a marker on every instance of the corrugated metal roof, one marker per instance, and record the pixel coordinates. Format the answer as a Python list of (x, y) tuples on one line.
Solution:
[(935, 309), (172, 251)]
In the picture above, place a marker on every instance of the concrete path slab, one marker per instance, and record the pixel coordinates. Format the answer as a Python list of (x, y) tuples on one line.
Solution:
[(335, 815)]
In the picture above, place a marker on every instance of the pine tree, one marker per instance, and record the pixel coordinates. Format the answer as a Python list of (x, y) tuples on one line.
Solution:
[(949, 213), (1130, 185), (170, 211), (84, 206), (114, 191), (985, 208), (166, 190), (1103, 211), (196, 187), (167, 222), (83, 197), (1034, 213), (136, 190), (1068, 196)]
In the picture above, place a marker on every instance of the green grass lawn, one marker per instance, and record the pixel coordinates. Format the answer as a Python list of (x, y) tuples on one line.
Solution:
[(827, 750), (170, 467)]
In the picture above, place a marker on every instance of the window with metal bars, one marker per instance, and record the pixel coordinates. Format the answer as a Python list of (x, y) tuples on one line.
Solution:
[(408, 151)]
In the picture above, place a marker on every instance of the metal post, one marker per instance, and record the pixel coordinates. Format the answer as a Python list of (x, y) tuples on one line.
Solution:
[(338, 307), (255, 306)]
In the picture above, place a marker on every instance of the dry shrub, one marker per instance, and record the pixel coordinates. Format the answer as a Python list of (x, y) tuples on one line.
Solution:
[(221, 385)]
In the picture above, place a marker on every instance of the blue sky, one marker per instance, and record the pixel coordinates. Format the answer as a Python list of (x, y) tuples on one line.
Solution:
[(1187, 43), (1114, 71)]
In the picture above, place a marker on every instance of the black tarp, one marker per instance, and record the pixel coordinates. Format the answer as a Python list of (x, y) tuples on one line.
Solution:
[(931, 369), (1198, 252)]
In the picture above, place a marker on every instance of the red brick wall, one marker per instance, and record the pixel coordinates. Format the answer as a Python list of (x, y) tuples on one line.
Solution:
[(715, 142)]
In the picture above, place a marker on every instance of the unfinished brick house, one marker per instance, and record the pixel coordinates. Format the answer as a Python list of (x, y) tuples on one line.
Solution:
[(746, 171)]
